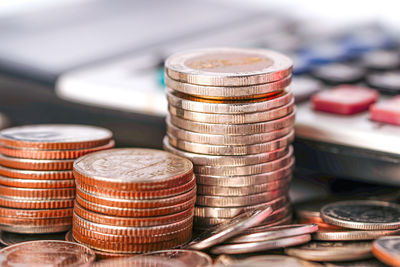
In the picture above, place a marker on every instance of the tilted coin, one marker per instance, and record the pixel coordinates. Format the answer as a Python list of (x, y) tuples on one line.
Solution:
[(189, 257), (261, 246), (350, 235), (33, 174), (387, 250), (232, 149), (332, 251), (275, 233), (362, 263), (217, 139), (192, 103), (260, 116), (46, 253), (362, 214), (35, 164), (200, 159), (35, 183), (233, 129), (133, 169), (227, 230), (272, 260), (55, 136), (142, 261), (8, 238), (228, 67)]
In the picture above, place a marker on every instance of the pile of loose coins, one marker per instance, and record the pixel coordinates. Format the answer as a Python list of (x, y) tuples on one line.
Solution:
[(37, 187), (231, 112), (133, 201)]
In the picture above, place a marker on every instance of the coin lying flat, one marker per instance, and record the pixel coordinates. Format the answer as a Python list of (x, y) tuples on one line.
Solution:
[(386, 249), (189, 257), (332, 251), (34, 183), (228, 67), (363, 214), (46, 253), (38, 165), (233, 227), (143, 261), (350, 235), (272, 260)]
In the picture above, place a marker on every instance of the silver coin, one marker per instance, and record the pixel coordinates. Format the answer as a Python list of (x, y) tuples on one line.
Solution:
[(351, 235), (387, 250), (233, 227), (363, 263), (271, 260), (362, 214), (261, 246), (228, 67), (188, 257)]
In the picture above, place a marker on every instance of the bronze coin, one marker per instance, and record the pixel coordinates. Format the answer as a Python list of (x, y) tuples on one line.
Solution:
[(36, 164), (28, 213), (33, 183), (39, 175), (36, 204), (35, 226), (37, 193)]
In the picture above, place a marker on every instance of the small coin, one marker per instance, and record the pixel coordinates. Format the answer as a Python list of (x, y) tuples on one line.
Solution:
[(33, 174), (191, 258), (55, 136), (229, 229), (133, 169), (35, 164), (332, 251), (34, 183), (46, 253), (228, 67), (387, 250), (251, 159), (36, 204), (272, 260), (217, 139), (260, 116), (362, 214), (52, 154), (275, 233), (142, 261), (192, 103), (233, 129), (261, 246), (350, 235), (362, 263), (35, 226), (8, 238), (37, 193)]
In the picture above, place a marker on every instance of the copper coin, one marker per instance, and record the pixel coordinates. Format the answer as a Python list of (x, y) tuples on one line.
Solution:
[(46, 253), (55, 136), (386, 249), (33, 183), (133, 169), (321, 223), (35, 226), (36, 204), (131, 221), (27, 213), (155, 194), (36, 164), (128, 212), (137, 231), (137, 204), (228, 66), (52, 154), (29, 174), (9, 239), (37, 193), (189, 257), (142, 261)]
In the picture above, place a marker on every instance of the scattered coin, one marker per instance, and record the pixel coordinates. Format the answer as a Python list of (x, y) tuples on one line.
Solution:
[(189, 257), (386, 249)]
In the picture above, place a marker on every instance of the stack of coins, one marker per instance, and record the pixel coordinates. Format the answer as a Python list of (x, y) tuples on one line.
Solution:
[(133, 201), (231, 113), (37, 187)]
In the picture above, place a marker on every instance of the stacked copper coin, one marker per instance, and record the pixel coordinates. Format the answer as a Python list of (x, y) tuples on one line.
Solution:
[(231, 113), (37, 187), (133, 201)]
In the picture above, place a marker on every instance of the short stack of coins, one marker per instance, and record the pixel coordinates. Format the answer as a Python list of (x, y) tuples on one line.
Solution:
[(37, 187), (231, 112), (133, 201)]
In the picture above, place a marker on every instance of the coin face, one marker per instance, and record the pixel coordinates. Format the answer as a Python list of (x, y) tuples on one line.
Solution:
[(228, 66), (46, 253), (55, 136), (362, 214), (189, 257), (387, 249)]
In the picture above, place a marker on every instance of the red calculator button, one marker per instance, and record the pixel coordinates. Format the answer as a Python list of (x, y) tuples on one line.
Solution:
[(387, 111), (345, 99)]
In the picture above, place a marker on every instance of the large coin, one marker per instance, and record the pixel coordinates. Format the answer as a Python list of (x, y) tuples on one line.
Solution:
[(362, 214), (191, 258), (228, 67), (387, 249), (46, 253)]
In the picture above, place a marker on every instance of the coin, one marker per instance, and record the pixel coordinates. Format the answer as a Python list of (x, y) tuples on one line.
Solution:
[(40, 213), (55, 136), (310, 209), (191, 258), (35, 226), (192, 103), (386, 249), (37, 193), (46, 253), (233, 129), (34, 183), (228, 67), (52, 154), (254, 117), (133, 169), (230, 149), (34, 164), (33, 174), (272, 260), (229, 229), (362, 263), (142, 261), (9, 239), (350, 235), (217, 139), (261, 246), (332, 251), (275, 233), (36, 204), (251, 159), (362, 214)]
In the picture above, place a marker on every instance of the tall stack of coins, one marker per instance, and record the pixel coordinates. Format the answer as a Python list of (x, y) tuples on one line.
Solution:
[(133, 201), (231, 113), (37, 187)]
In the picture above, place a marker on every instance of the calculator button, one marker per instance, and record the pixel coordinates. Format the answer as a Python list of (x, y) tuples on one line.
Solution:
[(326, 53), (339, 73), (381, 60), (345, 99), (304, 88), (386, 82), (387, 111)]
